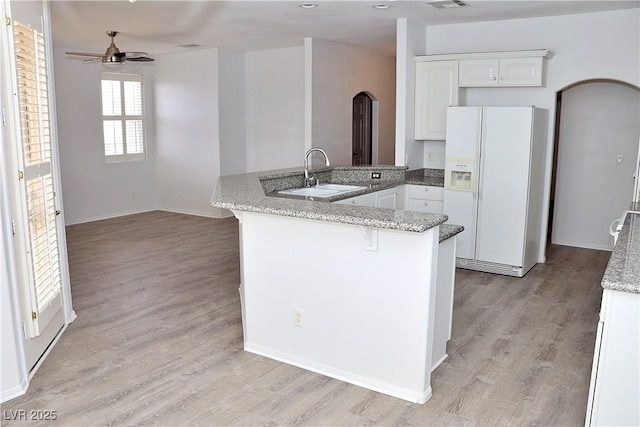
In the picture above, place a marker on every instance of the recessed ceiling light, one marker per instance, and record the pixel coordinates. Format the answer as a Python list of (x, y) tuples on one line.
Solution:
[(382, 6), (308, 5), (189, 45)]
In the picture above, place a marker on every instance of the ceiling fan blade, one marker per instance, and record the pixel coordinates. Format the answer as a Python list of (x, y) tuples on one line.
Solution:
[(96, 55), (133, 54), (139, 59), (88, 61)]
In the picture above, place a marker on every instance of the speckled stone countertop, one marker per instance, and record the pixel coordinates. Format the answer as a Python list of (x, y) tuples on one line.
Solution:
[(449, 230), (251, 193), (430, 177), (623, 270)]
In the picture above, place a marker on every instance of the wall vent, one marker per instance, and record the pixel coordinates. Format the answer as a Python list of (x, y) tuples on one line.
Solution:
[(446, 4)]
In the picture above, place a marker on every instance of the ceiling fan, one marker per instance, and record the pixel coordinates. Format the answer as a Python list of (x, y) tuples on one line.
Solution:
[(113, 56)]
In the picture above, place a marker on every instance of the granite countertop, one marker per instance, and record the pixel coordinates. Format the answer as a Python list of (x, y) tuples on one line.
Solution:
[(430, 177), (449, 230), (623, 270), (253, 192)]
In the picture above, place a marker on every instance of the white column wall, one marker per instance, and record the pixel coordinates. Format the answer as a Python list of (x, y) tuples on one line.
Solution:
[(92, 188), (232, 105), (340, 72), (410, 41), (187, 129), (274, 85)]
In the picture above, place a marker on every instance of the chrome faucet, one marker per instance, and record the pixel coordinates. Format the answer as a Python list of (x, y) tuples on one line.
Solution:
[(309, 181)]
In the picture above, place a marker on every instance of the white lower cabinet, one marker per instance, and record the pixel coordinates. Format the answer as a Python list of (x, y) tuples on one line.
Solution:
[(368, 199), (410, 197), (614, 393), (391, 198), (424, 198), (388, 198)]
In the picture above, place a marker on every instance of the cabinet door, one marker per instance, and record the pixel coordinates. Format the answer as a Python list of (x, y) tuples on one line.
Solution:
[(387, 199), (436, 89), (478, 72), (521, 72), (368, 200)]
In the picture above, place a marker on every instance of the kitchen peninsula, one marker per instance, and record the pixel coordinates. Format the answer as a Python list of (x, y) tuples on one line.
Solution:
[(352, 292)]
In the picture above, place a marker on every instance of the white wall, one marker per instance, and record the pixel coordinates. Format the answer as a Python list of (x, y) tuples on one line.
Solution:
[(587, 46), (339, 73), (410, 41), (232, 112), (274, 85), (93, 189), (599, 122), (187, 129)]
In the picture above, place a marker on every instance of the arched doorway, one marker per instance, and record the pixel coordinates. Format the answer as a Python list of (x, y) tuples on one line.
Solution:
[(595, 157), (362, 133)]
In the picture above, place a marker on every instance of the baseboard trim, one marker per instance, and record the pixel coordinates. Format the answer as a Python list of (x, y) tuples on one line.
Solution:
[(359, 380), (111, 216), (15, 392), (435, 365), (215, 213), (584, 246)]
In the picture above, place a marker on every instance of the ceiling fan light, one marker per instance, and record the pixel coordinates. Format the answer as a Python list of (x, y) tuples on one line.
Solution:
[(113, 64)]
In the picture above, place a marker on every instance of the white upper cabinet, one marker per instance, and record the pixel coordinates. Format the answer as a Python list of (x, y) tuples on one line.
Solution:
[(500, 72), (436, 89), (478, 72), (440, 77)]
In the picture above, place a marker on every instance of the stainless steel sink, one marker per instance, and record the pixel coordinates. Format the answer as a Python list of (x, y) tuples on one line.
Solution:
[(322, 190)]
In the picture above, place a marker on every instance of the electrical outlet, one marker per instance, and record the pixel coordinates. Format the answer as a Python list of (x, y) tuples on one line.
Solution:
[(376, 175), (619, 158), (297, 317)]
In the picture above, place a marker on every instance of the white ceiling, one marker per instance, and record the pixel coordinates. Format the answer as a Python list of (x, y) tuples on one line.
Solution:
[(158, 26)]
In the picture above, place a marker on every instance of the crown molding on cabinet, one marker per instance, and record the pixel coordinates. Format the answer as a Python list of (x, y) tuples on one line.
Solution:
[(544, 53)]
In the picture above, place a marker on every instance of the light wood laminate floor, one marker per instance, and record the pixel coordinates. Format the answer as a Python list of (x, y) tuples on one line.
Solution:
[(158, 340)]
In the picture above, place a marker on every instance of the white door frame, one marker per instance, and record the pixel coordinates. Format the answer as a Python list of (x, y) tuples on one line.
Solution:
[(10, 199)]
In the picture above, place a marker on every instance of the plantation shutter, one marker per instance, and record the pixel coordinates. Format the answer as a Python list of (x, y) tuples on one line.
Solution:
[(122, 117), (37, 176)]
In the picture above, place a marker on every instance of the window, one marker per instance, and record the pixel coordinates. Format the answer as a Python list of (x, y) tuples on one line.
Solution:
[(122, 117)]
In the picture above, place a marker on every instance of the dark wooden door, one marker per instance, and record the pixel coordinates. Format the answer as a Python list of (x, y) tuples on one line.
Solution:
[(361, 135)]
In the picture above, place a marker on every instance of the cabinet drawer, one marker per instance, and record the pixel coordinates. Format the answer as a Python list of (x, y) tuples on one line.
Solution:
[(425, 192), (427, 206)]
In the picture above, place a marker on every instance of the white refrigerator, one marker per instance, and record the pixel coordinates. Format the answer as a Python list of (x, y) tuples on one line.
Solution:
[(494, 170)]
